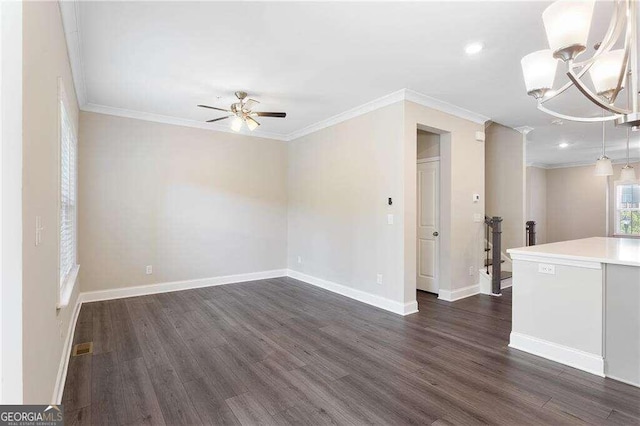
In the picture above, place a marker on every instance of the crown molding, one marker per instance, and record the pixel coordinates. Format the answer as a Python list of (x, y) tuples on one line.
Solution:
[(69, 13), (428, 101), (158, 118), (381, 102), (523, 129), (391, 98)]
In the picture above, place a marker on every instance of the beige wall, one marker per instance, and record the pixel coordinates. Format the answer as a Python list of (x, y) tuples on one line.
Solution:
[(537, 201), (192, 203), (576, 202), (340, 179), (428, 144), (461, 176), (505, 182), (45, 59)]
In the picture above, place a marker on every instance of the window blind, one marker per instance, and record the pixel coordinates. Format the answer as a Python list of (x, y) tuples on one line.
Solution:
[(68, 147)]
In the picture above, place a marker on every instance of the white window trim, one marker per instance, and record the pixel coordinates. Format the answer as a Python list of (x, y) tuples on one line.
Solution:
[(65, 290), (616, 232)]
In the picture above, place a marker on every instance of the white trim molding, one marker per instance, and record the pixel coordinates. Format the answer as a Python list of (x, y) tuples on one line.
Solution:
[(119, 293), (359, 295), (66, 353), (485, 282), (575, 358), (142, 290), (459, 293), (365, 108), (165, 119), (442, 106)]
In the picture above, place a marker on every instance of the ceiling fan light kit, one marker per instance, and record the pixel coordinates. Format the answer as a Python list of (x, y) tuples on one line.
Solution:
[(567, 24), (242, 113)]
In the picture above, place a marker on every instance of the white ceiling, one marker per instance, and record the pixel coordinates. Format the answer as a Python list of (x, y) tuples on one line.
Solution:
[(317, 60)]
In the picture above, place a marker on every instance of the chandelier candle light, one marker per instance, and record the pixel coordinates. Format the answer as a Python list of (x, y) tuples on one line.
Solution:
[(567, 24)]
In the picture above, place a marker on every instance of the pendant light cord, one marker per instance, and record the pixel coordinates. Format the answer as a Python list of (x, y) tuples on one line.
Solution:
[(603, 152), (628, 133)]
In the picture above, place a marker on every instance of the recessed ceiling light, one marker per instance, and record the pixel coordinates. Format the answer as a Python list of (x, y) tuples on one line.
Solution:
[(473, 48), (563, 145)]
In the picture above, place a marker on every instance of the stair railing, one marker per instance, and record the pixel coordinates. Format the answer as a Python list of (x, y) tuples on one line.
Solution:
[(494, 234), (531, 233)]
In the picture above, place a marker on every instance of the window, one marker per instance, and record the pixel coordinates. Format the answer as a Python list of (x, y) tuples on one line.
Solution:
[(628, 208), (68, 192)]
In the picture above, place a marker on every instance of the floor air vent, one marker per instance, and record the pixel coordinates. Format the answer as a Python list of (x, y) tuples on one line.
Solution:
[(83, 349)]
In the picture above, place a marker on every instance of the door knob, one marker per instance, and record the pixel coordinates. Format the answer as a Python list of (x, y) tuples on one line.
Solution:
[(435, 234)]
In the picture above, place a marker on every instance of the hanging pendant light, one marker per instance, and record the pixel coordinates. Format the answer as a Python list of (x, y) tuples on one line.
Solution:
[(627, 174), (603, 165)]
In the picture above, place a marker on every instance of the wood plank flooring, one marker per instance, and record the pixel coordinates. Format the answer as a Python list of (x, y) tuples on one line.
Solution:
[(282, 352)]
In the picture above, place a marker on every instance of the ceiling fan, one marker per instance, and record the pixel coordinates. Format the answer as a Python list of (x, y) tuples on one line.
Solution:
[(242, 113)]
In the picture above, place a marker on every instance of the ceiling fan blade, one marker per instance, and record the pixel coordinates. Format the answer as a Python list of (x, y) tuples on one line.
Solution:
[(251, 123), (210, 107), (271, 114), (218, 119), (249, 104)]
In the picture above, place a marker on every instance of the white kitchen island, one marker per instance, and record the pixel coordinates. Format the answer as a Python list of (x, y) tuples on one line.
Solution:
[(578, 303)]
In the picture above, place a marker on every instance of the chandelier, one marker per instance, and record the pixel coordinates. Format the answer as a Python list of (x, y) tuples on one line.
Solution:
[(567, 24)]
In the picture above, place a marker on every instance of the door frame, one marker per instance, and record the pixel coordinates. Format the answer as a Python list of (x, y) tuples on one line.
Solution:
[(436, 275)]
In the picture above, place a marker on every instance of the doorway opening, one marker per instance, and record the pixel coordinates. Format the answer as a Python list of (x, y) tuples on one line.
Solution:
[(428, 211)]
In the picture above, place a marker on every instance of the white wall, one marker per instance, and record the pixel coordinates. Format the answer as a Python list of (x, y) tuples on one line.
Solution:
[(11, 381), (576, 202), (192, 203), (505, 182), (44, 327), (340, 179), (461, 176), (537, 201)]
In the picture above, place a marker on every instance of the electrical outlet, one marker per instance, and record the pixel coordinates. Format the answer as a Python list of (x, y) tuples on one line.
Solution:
[(545, 268), (299, 259), (149, 269), (470, 271), (379, 279)]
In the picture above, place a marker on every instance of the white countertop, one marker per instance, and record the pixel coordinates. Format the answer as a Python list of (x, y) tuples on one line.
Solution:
[(620, 251)]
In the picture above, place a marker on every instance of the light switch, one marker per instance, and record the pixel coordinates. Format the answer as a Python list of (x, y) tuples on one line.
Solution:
[(390, 219), (477, 217), (476, 198), (39, 229)]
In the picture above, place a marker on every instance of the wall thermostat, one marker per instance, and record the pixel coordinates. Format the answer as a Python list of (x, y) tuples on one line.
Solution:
[(480, 136)]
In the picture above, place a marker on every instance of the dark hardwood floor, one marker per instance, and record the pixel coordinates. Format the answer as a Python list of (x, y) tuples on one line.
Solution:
[(283, 352)]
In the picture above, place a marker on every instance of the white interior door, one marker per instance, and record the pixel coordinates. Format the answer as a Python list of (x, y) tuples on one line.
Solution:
[(428, 225)]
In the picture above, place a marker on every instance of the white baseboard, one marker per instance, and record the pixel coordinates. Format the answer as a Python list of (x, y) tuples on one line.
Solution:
[(460, 293), (625, 381), (119, 293), (359, 295), (66, 352), (142, 290), (575, 358)]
